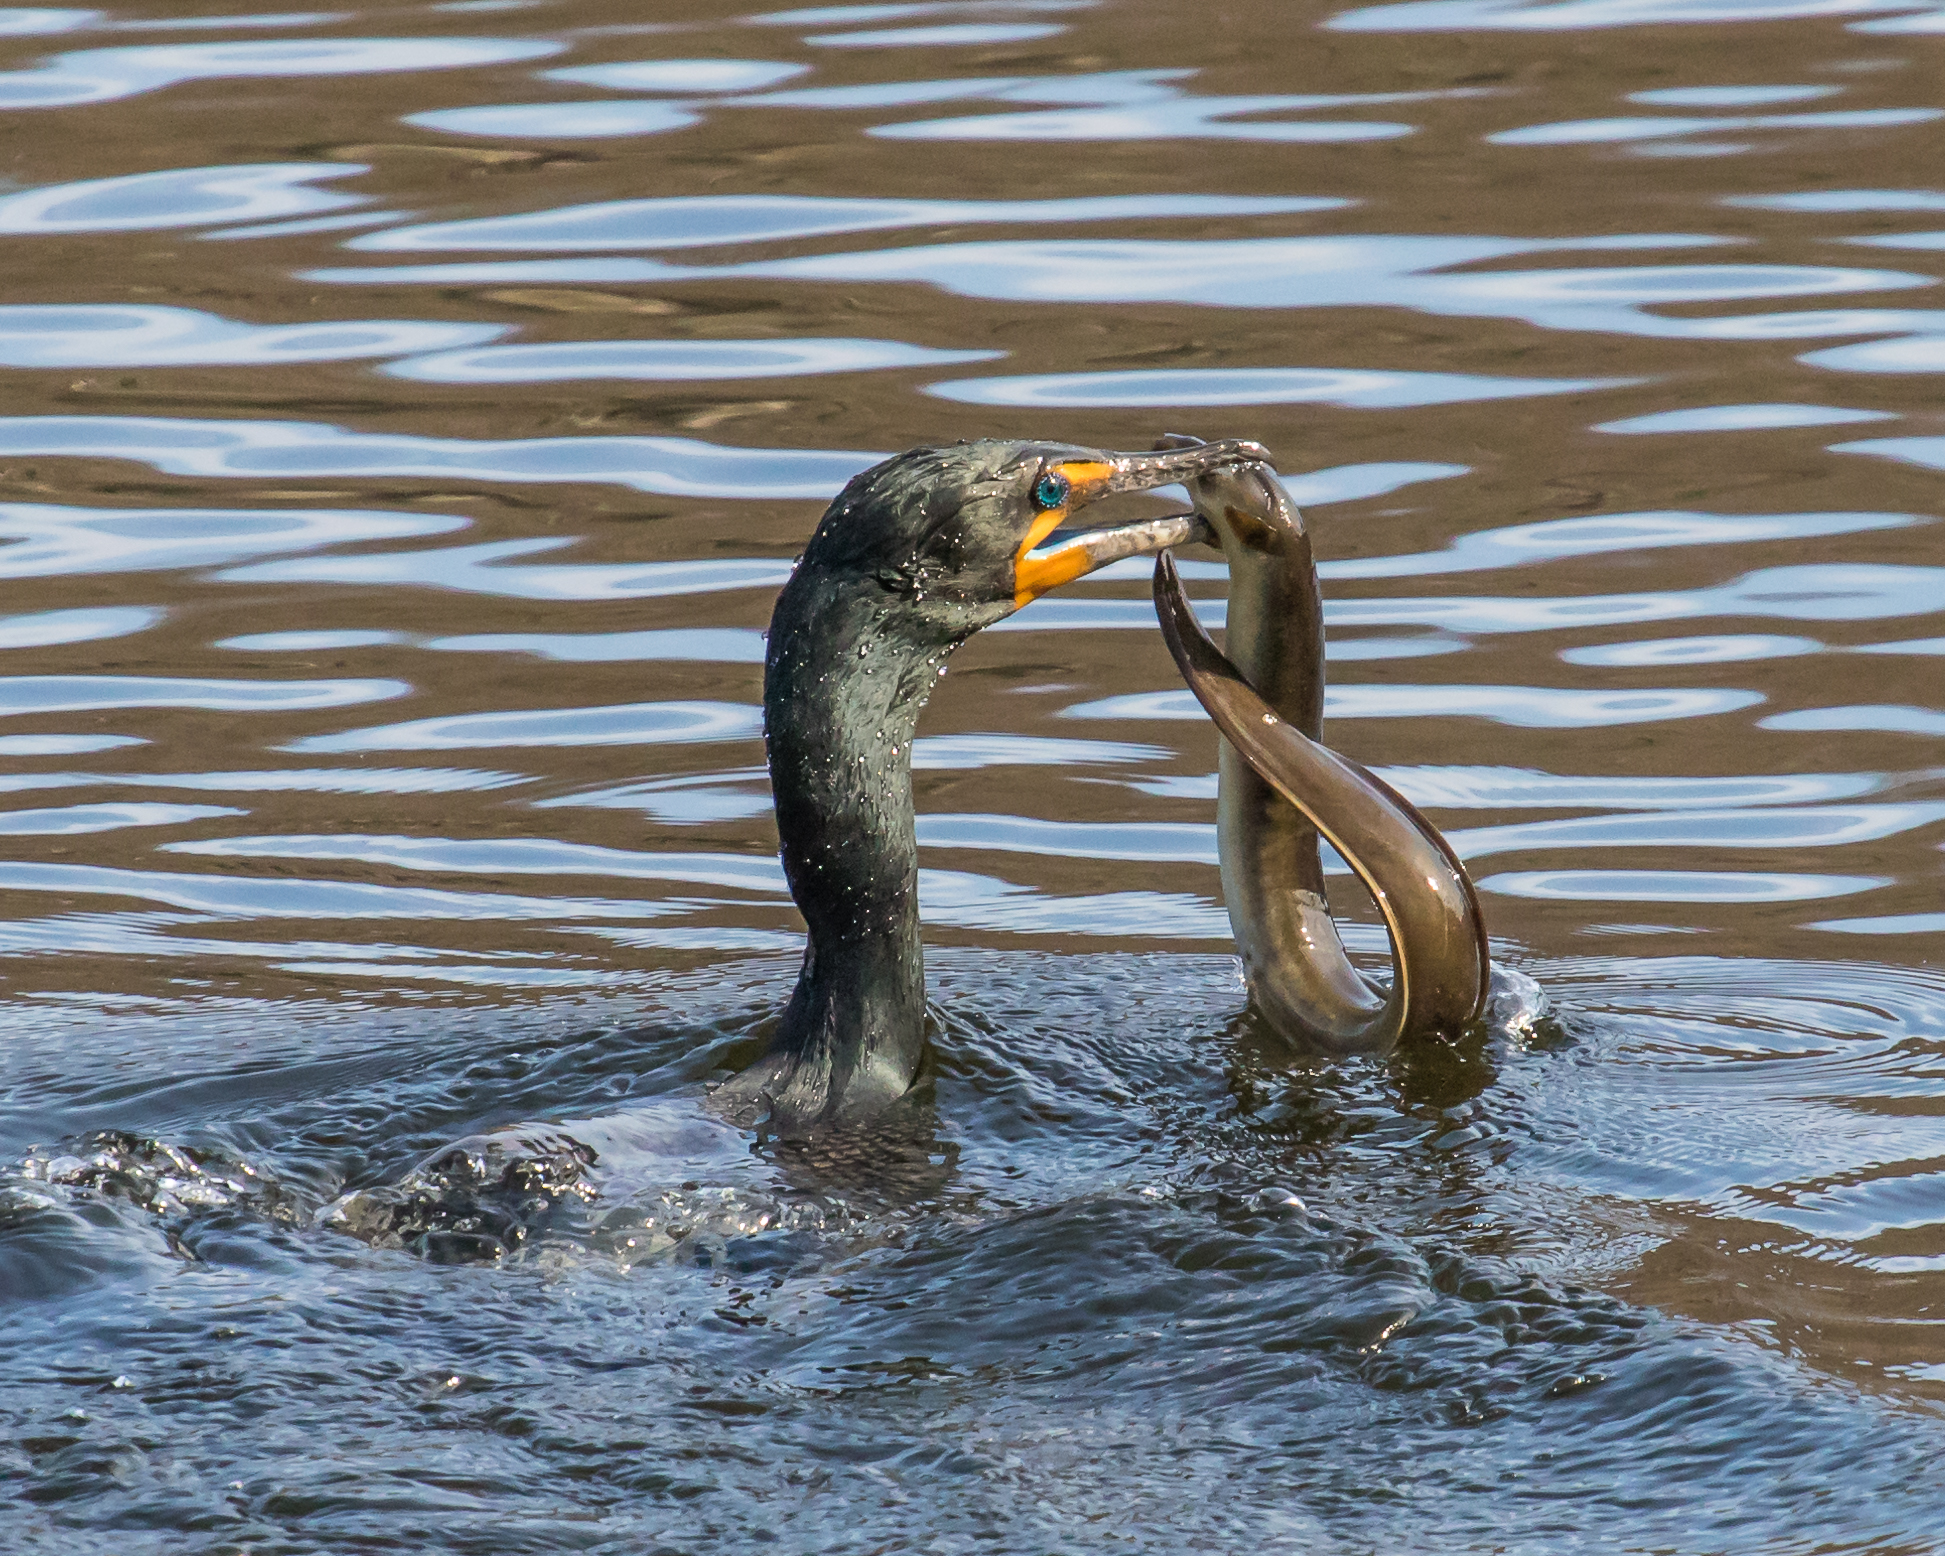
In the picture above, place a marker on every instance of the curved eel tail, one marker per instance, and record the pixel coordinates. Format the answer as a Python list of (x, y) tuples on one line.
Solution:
[(1440, 964)]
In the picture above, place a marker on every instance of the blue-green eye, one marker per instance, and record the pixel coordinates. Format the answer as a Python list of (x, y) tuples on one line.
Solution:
[(1050, 491)]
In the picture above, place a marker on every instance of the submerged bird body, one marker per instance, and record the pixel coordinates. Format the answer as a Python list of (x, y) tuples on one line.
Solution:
[(913, 557), (1279, 785)]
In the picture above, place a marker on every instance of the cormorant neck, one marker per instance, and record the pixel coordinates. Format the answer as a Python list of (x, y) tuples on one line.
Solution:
[(844, 681)]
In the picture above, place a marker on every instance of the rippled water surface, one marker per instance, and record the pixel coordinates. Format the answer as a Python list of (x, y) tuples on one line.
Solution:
[(407, 414)]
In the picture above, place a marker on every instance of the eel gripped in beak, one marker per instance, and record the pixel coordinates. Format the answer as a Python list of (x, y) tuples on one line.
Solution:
[(1279, 787)]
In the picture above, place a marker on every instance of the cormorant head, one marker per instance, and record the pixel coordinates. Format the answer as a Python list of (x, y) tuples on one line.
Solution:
[(968, 534)]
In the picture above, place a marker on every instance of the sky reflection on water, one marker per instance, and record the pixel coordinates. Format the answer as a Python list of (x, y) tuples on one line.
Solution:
[(184, 197), (182, 446), (103, 75), (1410, 271)]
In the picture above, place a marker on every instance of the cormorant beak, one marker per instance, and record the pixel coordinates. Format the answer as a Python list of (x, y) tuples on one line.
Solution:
[(1035, 571)]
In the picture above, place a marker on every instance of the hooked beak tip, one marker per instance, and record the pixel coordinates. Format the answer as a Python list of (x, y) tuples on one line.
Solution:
[(1164, 467)]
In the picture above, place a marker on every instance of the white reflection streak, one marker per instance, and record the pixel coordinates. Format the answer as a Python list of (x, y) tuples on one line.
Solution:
[(1520, 545), (57, 745), (23, 694), (179, 197), (51, 541), (1410, 272), (1349, 388), (672, 360), (482, 569), (699, 221), (1912, 354), (947, 896), (559, 121), (229, 23), (254, 449), (130, 934), (1570, 15), (1776, 826), (1742, 418), (84, 625), (1926, 452), (1834, 591), (102, 75), (301, 780), (1172, 117), (613, 117), (624, 724), (1641, 127), (1889, 718), (1155, 842), (947, 36), (842, 15), (1718, 649), (231, 896), (1677, 886), (1519, 788), (74, 820), (935, 753), (1525, 707), (1119, 915), (1729, 96), (31, 21), (503, 856), (691, 800), (1923, 22), (1116, 105), (680, 75), (134, 335), (710, 645)]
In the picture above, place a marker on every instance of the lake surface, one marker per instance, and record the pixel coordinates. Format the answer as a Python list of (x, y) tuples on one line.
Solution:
[(407, 414)]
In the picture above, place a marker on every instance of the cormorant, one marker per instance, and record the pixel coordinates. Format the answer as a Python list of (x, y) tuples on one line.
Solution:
[(913, 557)]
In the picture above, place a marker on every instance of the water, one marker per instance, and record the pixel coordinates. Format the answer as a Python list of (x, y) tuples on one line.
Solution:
[(406, 416)]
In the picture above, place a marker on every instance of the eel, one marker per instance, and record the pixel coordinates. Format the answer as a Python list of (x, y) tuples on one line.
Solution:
[(1279, 787)]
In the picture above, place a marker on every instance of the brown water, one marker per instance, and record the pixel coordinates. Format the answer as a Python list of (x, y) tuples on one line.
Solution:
[(406, 415)]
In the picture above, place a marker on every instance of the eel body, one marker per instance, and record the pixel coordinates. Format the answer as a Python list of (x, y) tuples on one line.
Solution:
[(1280, 787)]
